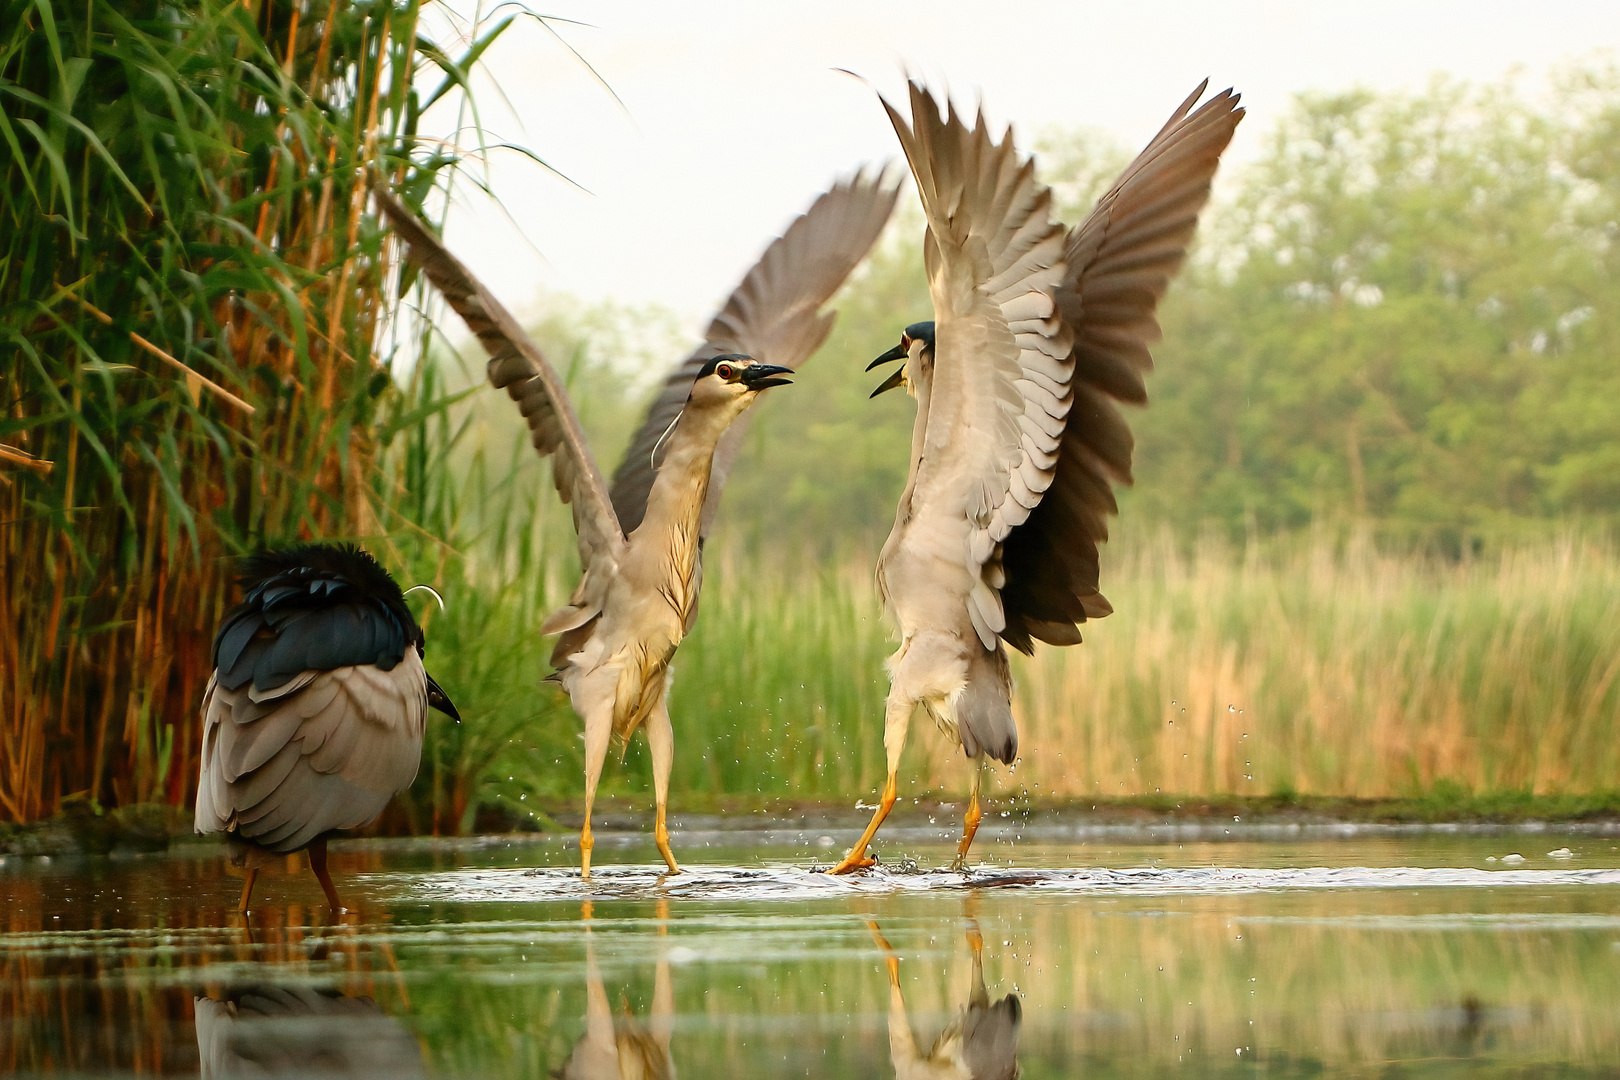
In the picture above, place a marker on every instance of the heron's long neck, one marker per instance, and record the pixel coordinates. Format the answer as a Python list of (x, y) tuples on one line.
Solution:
[(669, 531), (920, 377)]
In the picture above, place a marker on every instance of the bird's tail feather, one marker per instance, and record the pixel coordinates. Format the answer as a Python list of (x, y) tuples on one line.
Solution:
[(984, 716)]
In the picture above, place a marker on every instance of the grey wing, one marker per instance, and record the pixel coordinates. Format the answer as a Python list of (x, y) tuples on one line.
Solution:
[(324, 751), (1119, 263), (517, 366), (774, 315), (1001, 359)]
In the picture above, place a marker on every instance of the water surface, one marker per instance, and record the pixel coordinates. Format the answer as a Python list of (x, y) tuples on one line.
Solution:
[(1353, 953)]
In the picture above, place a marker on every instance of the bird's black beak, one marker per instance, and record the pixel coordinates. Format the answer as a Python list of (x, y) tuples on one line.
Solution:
[(440, 700), (763, 376), (897, 379), (899, 352)]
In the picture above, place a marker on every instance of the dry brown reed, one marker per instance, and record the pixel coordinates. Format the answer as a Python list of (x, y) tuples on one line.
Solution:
[(1332, 669)]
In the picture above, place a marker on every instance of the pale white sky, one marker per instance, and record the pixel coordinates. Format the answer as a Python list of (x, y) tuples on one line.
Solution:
[(733, 118)]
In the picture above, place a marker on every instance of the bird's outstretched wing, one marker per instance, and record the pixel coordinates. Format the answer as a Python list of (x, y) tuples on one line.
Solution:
[(1119, 263), (774, 316), (1002, 367), (517, 366)]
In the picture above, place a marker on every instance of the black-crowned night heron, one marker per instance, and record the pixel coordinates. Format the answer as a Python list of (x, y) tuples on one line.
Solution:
[(640, 543), (1036, 335), (980, 1043), (315, 713)]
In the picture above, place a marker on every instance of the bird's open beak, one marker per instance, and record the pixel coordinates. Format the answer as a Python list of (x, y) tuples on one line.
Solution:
[(440, 700), (899, 352), (763, 376), (897, 379)]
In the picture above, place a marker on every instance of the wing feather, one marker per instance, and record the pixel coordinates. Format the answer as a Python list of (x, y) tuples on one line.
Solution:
[(774, 316), (517, 366), (1118, 264), (1002, 357)]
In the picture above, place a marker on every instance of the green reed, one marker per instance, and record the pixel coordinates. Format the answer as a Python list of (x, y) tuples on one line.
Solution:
[(1314, 666), (196, 317)]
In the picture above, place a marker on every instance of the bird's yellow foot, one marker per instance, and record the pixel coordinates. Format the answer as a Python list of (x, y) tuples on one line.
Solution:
[(661, 836), (853, 862)]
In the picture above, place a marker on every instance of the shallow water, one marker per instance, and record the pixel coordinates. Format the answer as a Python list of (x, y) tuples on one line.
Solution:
[(1358, 952)]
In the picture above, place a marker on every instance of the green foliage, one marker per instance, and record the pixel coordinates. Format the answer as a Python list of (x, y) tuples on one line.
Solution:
[(1404, 318), (1398, 315), (191, 301)]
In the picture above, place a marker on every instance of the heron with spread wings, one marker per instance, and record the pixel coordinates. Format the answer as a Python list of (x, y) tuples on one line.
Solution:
[(1037, 334), (640, 542)]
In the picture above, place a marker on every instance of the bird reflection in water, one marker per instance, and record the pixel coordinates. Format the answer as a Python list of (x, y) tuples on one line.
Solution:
[(302, 1030), (621, 1047), (981, 1043)]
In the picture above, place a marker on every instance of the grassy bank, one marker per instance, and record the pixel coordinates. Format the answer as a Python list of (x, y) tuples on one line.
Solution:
[(1317, 674)]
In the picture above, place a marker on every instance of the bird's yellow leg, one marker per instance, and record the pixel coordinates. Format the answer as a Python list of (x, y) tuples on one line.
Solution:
[(661, 741), (598, 728), (317, 863), (897, 717), (857, 858), (247, 889), (970, 820)]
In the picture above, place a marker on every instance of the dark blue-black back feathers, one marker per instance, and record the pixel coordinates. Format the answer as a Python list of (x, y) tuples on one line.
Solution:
[(314, 606)]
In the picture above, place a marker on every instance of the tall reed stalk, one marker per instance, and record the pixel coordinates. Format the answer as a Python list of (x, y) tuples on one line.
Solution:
[(192, 301)]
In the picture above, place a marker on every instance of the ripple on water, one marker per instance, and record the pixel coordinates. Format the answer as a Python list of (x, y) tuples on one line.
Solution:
[(793, 883)]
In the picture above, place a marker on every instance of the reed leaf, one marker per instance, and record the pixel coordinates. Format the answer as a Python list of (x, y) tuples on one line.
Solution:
[(193, 306)]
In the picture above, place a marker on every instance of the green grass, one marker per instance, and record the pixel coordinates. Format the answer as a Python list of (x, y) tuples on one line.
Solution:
[(1312, 677)]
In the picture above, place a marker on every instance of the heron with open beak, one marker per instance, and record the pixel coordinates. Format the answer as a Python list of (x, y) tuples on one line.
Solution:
[(1038, 333), (640, 542)]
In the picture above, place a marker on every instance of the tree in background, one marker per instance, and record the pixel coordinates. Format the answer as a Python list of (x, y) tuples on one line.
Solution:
[(1405, 318), (1401, 315)]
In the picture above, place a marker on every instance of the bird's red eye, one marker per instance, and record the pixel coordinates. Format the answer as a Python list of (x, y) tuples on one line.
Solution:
[(725, 371)]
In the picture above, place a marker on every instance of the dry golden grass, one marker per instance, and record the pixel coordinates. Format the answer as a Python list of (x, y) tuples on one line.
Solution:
[(1334, 670)]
